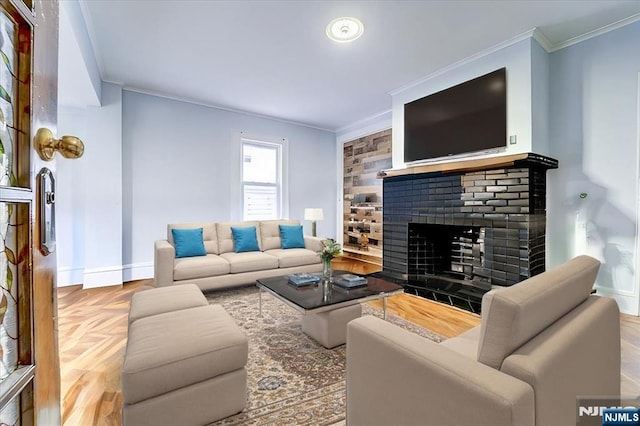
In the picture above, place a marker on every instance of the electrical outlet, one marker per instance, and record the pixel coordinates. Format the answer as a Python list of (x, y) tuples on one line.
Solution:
[(512, 139)]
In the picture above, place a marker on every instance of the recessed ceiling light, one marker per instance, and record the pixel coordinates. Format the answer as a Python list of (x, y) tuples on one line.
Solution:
[(344, 29)]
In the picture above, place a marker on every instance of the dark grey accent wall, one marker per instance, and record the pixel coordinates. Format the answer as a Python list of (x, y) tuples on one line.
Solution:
[(507, 204)]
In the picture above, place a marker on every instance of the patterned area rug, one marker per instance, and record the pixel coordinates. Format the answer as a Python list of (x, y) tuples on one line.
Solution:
[(293, 379)]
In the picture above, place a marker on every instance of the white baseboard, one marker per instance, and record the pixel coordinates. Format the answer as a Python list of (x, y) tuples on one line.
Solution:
[(102, 277), (627, 303), (137, 271), (69, 276)]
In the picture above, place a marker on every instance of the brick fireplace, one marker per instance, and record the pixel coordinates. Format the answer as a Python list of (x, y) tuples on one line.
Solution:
[(452, 231)]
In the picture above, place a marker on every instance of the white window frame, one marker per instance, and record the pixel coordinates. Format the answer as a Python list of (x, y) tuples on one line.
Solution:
[(281, 173)]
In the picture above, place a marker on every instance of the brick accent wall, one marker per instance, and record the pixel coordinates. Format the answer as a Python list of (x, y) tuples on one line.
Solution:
[(505, 206)]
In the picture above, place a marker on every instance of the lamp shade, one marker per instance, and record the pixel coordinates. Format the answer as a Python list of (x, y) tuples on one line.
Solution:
[(313, 214)]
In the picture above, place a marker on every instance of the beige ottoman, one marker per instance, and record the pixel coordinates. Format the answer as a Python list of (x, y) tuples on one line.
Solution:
[(184, 368), (165, 299), (330, 328)]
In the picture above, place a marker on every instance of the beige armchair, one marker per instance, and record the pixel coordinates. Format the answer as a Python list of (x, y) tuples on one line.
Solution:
[(541, 344)]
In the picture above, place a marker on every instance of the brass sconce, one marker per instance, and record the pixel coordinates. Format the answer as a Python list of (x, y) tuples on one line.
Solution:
[(46, 145)]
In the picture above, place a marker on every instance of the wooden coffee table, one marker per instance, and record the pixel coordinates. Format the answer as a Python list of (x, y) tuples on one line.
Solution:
[(327, 307)]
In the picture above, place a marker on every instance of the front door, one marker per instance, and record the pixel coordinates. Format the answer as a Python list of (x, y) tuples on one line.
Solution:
[(29, 360)]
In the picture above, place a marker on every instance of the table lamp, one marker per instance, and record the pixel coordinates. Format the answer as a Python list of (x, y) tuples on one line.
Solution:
[(313, 214)]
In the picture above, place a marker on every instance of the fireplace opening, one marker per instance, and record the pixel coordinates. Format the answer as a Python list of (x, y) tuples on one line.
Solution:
[(445, 250), (446, 263)]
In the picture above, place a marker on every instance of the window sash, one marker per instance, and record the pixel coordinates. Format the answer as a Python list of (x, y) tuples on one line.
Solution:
[(262, 200)]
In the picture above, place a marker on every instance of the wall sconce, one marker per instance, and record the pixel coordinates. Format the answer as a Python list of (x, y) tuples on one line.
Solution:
[(313, 214), (46, 145)]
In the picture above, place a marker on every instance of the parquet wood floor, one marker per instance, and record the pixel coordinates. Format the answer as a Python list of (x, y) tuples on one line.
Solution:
[(92, 329)]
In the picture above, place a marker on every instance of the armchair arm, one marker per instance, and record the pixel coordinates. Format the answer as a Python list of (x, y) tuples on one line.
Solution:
[(397, 377), (163, 258)]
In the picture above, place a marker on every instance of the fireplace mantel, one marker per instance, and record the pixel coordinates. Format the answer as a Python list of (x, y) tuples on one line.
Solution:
[(468, 165)]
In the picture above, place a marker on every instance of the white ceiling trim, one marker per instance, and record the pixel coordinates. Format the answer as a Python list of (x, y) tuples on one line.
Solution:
[(209, 105), (542, 40), (365, 121), (595, 33), (468, 59), (364, 131)]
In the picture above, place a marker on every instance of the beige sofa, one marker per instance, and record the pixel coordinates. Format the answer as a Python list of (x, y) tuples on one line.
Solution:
[(222, 267), (541, 343)]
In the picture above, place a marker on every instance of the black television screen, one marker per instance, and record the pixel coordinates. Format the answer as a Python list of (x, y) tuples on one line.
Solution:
[(466, 118)]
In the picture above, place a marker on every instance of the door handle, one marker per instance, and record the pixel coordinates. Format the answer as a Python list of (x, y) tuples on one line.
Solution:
[(46, 145)]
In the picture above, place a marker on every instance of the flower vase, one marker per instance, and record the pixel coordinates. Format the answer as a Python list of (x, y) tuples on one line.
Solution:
[(326, 269), (327, 290)]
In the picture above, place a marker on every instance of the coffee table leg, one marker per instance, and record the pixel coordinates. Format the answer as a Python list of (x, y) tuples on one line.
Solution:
[(260, 301), (384, 307)]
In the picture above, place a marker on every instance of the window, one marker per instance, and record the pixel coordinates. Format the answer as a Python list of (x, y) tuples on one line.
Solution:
[(261, 180)]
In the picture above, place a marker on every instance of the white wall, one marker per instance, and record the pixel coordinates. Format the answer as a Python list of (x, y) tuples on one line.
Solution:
[(89, 195), (182, 164), (593, 129), (70, 212), (539, 99), (103, 191), (79, 82), (515, 57), (150, 161)]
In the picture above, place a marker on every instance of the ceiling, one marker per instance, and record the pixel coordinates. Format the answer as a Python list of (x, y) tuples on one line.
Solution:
[(272, 58)]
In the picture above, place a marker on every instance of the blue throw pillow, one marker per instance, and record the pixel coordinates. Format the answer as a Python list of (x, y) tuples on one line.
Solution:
[(291, 236), (188, 242), (244, 239)]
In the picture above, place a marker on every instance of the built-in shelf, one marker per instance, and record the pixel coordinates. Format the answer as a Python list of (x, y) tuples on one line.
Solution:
[(362, 216), (373, 256)]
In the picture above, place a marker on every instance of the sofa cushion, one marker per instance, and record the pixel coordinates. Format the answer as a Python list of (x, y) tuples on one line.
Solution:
[(209, 235), (291, 236), (245, 239), (288, 258), (188, 268), (466, 343), (249, 261), (159, 300), (512, 316), (177, 349), (270, 233), (225, 237), (188, 242)]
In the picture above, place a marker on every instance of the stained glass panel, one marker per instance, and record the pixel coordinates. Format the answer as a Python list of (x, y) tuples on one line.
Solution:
[(16, 327), (8, 88)]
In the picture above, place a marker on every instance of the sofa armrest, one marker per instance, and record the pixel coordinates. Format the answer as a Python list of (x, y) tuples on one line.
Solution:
[(397, 377), (558, 362), (163, 259), (313, 243)]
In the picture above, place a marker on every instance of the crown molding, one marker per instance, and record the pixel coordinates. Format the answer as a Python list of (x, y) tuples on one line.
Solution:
[(542, 40), (381, 119), (467, 60), (602, 30), (222, 108)]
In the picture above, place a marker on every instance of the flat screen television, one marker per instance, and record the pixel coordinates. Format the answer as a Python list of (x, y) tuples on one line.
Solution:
[(468, 118)]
